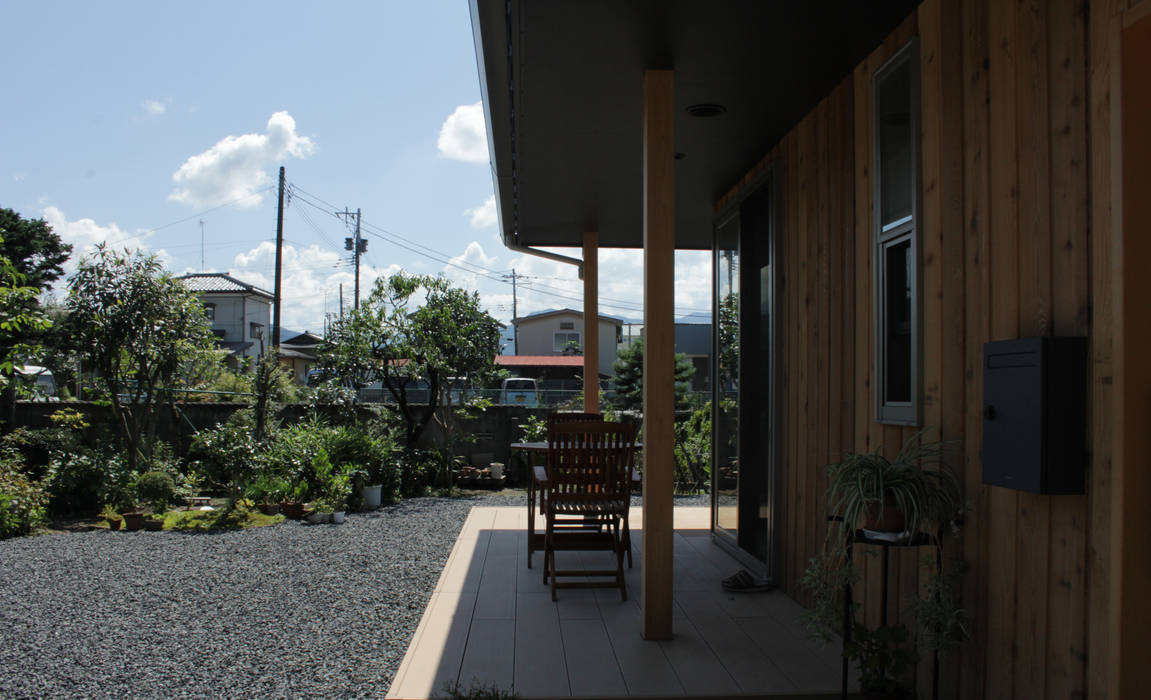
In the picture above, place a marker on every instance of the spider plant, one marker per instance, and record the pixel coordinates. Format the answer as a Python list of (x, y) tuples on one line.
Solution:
[(869, 482)]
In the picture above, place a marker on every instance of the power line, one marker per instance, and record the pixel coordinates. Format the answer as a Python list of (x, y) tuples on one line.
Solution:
[(472, 268)]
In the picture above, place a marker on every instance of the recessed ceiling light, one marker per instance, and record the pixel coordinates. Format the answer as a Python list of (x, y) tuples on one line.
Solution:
[(705, 110)]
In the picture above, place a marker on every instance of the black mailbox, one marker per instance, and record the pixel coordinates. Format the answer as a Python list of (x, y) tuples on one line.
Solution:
[(1035, 414)]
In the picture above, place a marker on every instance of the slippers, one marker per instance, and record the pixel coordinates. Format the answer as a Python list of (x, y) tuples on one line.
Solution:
[(743, 582)]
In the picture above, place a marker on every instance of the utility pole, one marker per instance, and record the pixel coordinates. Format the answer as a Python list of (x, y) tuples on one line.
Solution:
[(341, 301), (357, 245), (279, 262), (515, 314)]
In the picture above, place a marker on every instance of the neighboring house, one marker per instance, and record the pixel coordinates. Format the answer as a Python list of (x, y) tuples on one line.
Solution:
[(298, 354), (694, 341), (551, 332), (885, 187), (240, 313)]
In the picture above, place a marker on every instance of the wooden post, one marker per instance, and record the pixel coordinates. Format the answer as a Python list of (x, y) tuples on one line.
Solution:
[(1131, 519), (659, 348), (591, 322)]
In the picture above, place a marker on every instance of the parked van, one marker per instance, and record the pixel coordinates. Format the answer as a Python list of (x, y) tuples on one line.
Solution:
[(519, 391)]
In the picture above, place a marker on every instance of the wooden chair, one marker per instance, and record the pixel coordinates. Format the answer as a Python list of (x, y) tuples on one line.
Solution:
[(536, 473), (588, 479)]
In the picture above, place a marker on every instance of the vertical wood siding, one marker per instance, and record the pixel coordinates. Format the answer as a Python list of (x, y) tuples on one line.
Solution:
[(1011, 246)]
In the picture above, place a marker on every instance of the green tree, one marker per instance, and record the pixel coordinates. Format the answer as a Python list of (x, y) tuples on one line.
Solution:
[(395, 340), (629, 377), (34, 249), (137, 327)]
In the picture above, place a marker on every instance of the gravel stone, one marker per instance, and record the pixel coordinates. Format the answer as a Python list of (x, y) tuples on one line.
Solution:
[(284, 611)]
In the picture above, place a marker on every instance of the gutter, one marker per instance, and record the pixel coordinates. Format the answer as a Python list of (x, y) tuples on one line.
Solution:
[(545, 254)]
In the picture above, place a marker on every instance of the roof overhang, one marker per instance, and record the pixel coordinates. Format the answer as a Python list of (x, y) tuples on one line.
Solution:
[(562, 94)]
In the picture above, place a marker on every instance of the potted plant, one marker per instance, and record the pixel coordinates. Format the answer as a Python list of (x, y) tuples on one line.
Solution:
[(114, 519), (322, 510), (883, 657), (267, 491), (293, 503), (895, 496)]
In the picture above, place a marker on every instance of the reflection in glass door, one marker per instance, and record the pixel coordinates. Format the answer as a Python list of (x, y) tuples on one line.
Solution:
[(725, 404), (743, 405)]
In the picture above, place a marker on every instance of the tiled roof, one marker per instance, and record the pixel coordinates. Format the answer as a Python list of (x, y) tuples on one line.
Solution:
[(539, 360), (555, 312), (220, 283)]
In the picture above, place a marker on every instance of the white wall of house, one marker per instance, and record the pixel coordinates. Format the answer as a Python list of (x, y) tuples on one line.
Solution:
[(240, 316), (547, 335)]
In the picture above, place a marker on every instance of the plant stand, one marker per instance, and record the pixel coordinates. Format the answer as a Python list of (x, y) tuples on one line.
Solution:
[(919, 539)]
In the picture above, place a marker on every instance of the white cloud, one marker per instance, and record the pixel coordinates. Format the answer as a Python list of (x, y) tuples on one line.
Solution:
[(154, 108), (310, 280), (464, 136), (18, 177), (484, 215), (236, 167), (85, 234)]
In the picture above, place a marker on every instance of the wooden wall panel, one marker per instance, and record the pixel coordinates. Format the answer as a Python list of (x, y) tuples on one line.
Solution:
[(1015, 242)]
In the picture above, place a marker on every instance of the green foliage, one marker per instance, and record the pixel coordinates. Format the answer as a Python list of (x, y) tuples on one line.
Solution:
[(926, 497), (939, 611), (137, 327), (35, 250), (827, 573), (21, 318), (22, 500), (535, 430), (629, 378), (224, 455), (883, 656), (394, 339), (268, 488), (693, 449), (156, 489)]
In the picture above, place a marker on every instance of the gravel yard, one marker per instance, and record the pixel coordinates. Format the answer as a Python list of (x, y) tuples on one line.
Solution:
[(290, 610)]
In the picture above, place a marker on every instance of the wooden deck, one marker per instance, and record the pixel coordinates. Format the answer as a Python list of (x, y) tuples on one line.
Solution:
[(491, 621)]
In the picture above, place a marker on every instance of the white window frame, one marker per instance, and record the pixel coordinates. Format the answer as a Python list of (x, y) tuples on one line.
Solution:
[(569, 336), (892, 233)]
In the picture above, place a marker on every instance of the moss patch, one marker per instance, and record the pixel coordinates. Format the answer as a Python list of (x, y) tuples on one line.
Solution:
[(220, 519)]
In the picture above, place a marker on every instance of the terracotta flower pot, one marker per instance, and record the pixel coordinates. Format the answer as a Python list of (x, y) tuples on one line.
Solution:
[(133, 521), (292, 510), (154, 524), (114, 523), (269, 508)]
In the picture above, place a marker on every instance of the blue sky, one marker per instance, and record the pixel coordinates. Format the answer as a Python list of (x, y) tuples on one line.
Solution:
[(133, 122)]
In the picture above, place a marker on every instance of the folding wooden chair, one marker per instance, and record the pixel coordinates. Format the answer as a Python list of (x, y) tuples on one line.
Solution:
[(588, 481)]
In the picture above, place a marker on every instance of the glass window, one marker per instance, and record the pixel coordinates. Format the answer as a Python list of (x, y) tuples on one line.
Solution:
[(210, 312), (896, 116), (563, 342), (725, 407)]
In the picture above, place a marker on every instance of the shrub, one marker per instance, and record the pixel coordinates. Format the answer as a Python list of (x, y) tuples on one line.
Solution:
[(75, 481), (22, 500), (225, 455), (157, 489)]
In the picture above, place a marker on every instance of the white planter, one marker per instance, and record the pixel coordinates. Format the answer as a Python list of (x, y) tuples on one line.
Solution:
[(338, 517), (370, 497), (497, 470), (317, 518)]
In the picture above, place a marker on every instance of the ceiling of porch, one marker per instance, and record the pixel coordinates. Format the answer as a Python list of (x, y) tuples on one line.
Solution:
[(562, 91)]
